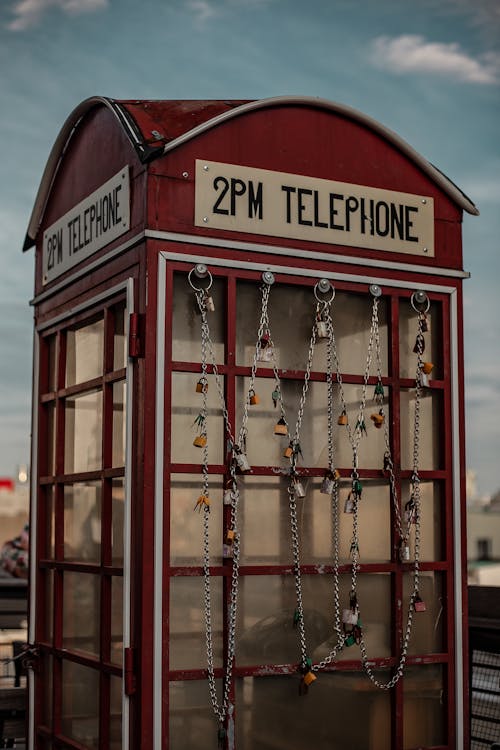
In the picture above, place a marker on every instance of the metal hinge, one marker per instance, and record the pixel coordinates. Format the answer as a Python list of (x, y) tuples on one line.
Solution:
[(129, 682), (135, 335)]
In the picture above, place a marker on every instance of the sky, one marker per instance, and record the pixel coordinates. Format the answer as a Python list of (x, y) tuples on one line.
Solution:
[(428, 70)]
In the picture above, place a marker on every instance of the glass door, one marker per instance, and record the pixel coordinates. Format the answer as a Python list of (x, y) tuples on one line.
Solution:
[(342, 708), (80, 529)]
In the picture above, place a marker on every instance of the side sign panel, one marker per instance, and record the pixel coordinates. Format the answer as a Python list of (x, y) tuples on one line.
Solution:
[(94, 222), (259, 201)]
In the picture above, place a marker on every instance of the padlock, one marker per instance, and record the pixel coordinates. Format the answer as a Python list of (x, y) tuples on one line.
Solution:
[(357, 488), (427, 367), (227, 551), (276, 395), (227, 498), (379, 391), (404, 552), (298, 488), (230, 534), (288, 452), (200, 440), (202, 385), (349, 617), (209, 303), (265, 355), (349, 504), (378, 419), (343, 420), (424, 379), (253, 399), (328, 484), (418, 604), (265, 340), (361, 426), (321, 329), (309, 678), (350, 640), (202, 501), (280, 428), (242, 461)]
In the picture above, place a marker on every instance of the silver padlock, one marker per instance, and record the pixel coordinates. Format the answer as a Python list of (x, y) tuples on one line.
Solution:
[(242, 462), (349, 617), (227, 497), (265, 355), (227, 550), (298, 488), (349, 504), (404, 553), (209, 303), (424, 380), (328, 484), (321, 329)]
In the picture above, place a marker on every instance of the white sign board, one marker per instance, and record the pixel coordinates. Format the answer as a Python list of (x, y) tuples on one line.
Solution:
[(260, 201), (94, 222)]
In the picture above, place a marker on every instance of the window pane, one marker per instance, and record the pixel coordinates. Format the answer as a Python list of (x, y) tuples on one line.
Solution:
[(267, 542), (343, 711), (193, 725), (117, 519), (428, 630), (52, 363), (120, 341), (117, 620), (115, 724), (83, 433), (431, 439), (186, 526), (81, 615), (186, 406), (433, 352), (51, 439), (187, 622), (47, 625), (186, 325), (84, 353), (424, 706), (82, 521), (431, 547), (80, 704), (47, 549), (119, 423)]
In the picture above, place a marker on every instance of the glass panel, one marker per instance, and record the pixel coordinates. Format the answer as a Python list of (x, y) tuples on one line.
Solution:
[(192, 722), (48, 548), (269, 716), (187, 622), (424, 708), (51, 439), (80, 704), (81, 612), (266, 634), (431, 547), (82, 521), (115, 724), (84, 353), (120, 341), (117, 620), (433, 352), (264, 448), (293, 308), (117, 519), (119, 422), (47, 627), (267, 542), (51, 363), (428, 630), (186, 527), (431, 439), (83, 436), (186, 322), (186, 405)]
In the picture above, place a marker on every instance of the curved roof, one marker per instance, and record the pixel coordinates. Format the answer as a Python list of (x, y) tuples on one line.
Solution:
[(157, 127)]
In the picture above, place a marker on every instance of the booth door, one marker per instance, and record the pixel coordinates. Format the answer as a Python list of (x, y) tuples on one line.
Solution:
[(342, 709), (79, 623)]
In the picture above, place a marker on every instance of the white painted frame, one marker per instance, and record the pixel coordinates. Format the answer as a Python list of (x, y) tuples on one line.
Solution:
[(167, 255)]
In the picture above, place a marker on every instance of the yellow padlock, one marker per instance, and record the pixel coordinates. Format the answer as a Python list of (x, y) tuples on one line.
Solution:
[(427, 367), (230, 535), (280, 427), (253, 398), (309, 678), (378, 419), (203, 500), (200, 441), (288, 452), (342, 420), (202, 385)]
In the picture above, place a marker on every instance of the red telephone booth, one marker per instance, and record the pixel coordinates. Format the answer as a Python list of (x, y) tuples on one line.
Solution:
[(247, 433)]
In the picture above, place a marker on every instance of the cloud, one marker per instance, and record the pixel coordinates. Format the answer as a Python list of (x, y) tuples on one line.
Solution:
[(203, 10), (28, 13), (410, 53)]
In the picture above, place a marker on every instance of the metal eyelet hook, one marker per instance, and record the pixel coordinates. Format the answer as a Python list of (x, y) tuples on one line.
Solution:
[(268, 278), (324, 286), (420, 301), (201, 272), (375, 290)]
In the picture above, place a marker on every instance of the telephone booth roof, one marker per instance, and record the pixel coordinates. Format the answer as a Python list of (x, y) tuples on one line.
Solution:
[(156, 127)]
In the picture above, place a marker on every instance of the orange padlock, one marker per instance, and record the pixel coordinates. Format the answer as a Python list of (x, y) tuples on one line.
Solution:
[(253, 398), (202, 385), (230, 536), (200, 441), (280, 427), (427, 367), (203, 500), (343, 420), (378, 419), (309, 678), (288, 452)]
